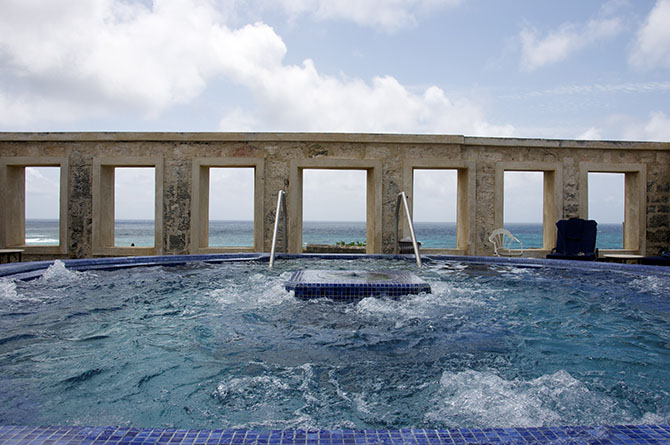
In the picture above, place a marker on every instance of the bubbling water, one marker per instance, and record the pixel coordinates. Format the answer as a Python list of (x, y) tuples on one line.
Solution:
[(225, 346), (7, 290)]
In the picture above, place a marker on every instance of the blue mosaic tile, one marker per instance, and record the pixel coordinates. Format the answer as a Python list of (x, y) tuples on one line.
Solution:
[(353, 285), (606, 434)]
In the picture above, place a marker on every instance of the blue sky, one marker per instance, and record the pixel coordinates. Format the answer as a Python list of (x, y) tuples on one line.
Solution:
[(569, 69)]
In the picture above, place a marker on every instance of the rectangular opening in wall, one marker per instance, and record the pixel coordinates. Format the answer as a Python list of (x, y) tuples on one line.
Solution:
[(231, 206), (523, 206), (606, 206), (434, 208), (134, 206), (42, 201), (334, 209)]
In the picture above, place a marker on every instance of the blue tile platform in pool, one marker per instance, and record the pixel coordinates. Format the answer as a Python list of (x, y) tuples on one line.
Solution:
[(352, 285), (609, 434)]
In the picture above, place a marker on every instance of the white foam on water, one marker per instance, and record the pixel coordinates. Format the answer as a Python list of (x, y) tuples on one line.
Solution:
[(227, 295), (267, 394), (284, 397), (486, 399), (517, 270), (8, 290), (449, 294), (308, 375), (298, 422), (653, 419), (362, 405), (338, 389), (446, 297), (273, 291), (652, 284), (58, 272), (246, 386), (256, 291)]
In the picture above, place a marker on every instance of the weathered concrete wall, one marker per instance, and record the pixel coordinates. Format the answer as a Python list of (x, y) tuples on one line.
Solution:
[(658, 202), (280, 157)]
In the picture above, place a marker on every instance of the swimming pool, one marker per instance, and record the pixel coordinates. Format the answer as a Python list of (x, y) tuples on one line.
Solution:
[(224, 345)]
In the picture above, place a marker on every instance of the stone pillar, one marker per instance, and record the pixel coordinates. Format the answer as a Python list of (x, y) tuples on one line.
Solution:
[(177, 189), (485, 206), (80, 204)]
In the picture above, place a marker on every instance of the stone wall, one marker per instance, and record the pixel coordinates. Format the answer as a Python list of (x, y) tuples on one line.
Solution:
[(181, 162)]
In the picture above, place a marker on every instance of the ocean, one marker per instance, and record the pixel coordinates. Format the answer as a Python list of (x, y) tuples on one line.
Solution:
[(240, 233)]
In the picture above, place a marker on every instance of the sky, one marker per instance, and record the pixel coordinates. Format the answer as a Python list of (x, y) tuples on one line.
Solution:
[(572, 69)]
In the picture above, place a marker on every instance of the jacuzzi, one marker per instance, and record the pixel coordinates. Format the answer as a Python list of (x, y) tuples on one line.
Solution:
[(521, 348)]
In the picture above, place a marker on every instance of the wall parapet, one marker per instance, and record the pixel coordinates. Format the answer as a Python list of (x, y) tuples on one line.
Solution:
[(87, 161), (384, 138)]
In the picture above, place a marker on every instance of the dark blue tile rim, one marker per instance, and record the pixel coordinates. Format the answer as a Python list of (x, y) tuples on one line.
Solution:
[(31, 270), (312, 283), (607, 434), (345, 278)]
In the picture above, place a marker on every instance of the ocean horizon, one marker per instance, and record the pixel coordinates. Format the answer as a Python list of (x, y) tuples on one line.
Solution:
[(40, 232)]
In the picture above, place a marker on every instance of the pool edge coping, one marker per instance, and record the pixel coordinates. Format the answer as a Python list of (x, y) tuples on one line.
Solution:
[(32, 270)]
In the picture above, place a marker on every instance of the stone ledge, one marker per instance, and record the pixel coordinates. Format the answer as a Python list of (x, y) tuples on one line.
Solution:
[(381, 138), (229, 137)]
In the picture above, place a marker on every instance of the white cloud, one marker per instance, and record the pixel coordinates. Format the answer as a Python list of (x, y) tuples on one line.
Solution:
[(652, 46), (42, 192), (598, 88), (606, 197), (238, 120), (385, 14), (556, 46), (101, 57), (95, 55), (592, 134), (434, 195), (299, 98), (43, 180), (658, 127), (522, 200), (334, 195), (237, 185), (624, 127), (134, 192)]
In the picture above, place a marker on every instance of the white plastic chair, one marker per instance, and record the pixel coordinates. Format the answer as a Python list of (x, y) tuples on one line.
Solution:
[(502, 240)]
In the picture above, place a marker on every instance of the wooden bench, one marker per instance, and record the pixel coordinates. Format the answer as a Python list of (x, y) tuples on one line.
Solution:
[(6, 255)]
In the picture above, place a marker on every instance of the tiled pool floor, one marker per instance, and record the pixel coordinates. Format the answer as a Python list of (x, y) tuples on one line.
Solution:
[(609, 434)]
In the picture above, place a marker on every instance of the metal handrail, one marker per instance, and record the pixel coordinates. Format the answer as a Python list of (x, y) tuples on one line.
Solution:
[(403, 197), (281, 209)]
